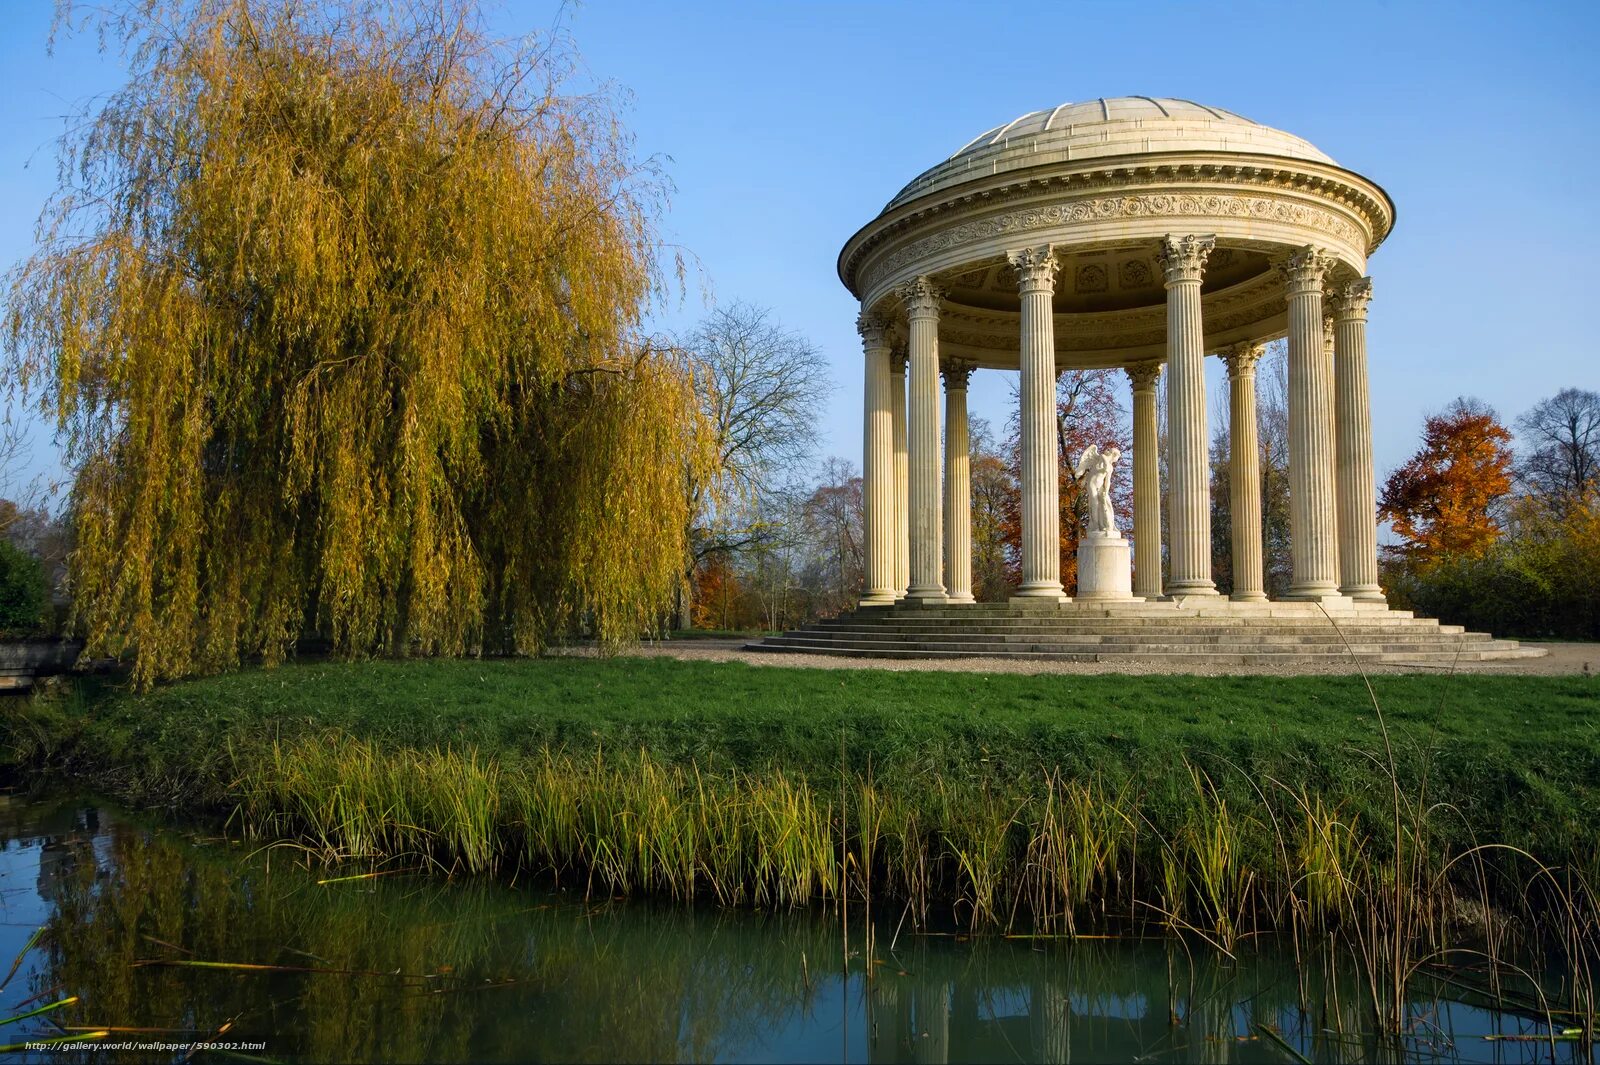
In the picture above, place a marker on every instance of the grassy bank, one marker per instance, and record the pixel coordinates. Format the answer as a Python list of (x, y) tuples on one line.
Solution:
[(1207, 800)]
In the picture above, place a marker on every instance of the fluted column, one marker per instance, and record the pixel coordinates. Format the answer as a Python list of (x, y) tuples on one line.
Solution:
[(1041, 476), (921, 298), (1244, 472), (931, 1045), (877, 464), (1311, 462), (1327, 370), (957, 484), (902, 517), (1146, 482), (1188, 469), (1357, 507)]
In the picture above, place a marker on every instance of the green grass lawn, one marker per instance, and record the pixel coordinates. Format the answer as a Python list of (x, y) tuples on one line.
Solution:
[(1519, 756)]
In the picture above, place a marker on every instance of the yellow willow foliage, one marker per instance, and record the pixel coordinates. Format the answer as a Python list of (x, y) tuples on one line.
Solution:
[(337, 311)]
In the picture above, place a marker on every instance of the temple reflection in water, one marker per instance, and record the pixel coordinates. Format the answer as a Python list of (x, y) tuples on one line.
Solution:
[(406, 968)]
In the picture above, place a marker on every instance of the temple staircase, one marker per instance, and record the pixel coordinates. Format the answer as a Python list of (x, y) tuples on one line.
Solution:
[(1186, 632)]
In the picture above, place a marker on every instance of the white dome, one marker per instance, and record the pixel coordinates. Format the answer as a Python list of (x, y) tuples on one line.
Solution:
[(1107, 128)]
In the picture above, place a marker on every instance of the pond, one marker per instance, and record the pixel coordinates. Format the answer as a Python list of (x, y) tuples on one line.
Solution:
[(169, 936)]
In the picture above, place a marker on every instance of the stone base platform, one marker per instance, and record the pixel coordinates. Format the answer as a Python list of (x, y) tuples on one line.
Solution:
[(1193, 630)]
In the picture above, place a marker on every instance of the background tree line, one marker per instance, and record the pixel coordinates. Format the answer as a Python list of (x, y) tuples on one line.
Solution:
[(780, 540), (1486, 529), (339, 315), (1501, 531)]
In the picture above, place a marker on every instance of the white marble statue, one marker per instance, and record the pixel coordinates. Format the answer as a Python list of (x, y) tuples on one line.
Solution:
[(1093, 472)]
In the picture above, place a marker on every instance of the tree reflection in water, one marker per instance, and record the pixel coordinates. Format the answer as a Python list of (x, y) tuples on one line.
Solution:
[(436, 970)]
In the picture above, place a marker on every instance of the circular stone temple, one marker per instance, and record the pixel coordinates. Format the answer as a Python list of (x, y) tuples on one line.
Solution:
[(1143, 234)]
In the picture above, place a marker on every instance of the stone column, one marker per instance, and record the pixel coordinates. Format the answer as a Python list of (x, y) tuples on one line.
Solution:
[(1188, 468), (877, 464), (1244, 473), (1311, 477), (1041, 476), (1356, 487), (902, 519), (921, 298), (1146, 482), (957, 484)]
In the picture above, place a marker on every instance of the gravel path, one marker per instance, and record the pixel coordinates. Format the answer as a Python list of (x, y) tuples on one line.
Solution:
[(1563, 659)]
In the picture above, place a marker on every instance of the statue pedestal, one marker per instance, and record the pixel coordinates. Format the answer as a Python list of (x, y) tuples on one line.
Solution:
[(1104, 567)]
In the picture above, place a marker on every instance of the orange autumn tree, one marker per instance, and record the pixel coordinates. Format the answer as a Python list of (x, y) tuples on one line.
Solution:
[(1088, 411), (1441, 501)]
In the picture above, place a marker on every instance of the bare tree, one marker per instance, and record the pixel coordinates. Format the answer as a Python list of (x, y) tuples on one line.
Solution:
[(835, 524), (1562, 437), (763, 387), (1272, 430), (22, 499), (996, 504)]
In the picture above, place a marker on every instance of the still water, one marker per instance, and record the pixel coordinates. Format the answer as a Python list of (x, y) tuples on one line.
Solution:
[(135, 915)]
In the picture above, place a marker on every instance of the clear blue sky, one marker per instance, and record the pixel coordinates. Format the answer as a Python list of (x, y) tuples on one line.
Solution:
[(789, 126)]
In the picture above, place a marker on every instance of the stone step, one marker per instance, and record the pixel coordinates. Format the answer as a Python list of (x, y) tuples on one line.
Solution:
[(1099, 609), (1189, 633), (1153, 646), (1120, 624), (1139, 640), (1183, 659), (1037, 625)]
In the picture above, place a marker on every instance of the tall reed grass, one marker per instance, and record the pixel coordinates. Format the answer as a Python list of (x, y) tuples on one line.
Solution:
[(992, 852)]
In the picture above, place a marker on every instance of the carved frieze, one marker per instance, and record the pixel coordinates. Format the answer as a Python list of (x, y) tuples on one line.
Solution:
[(1091, 278), (1136, 274), (1111, 208)]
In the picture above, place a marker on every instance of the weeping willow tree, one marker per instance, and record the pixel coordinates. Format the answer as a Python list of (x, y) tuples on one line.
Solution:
[(338, 313)]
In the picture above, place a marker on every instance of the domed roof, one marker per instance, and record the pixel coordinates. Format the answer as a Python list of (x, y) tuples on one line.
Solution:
[(1103, 128)]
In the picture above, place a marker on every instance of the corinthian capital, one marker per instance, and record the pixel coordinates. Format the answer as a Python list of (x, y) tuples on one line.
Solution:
[(874, 330), (1035, 267), (1303, 271), (1350, 299), (1241, 359), (921, 298), (956, 372), (898, 357), (1144, 375), (1184, 258)]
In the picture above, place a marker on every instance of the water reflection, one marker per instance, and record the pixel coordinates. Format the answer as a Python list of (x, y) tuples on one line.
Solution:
[(404, 968)]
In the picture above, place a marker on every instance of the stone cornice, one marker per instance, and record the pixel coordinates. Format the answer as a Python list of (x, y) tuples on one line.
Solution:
[(1340, 187)]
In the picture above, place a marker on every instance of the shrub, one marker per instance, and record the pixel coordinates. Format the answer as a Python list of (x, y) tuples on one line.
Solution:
[(22, 592), (1544, 580)]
